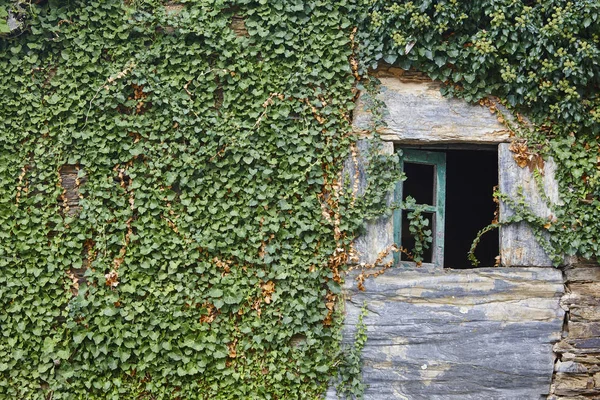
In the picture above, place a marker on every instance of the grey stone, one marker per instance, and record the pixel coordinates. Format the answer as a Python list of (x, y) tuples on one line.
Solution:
[(518, 245), (379, 233), (570, 367), (458, 334), (416, 112)]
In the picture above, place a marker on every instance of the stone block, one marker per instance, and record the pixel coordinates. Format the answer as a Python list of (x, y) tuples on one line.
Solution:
[(458, 334), (585, 289), (379, 233), (573, 384), (416, 112), (584, 313), (570, 367), (518, 244), (578, 330), (582, 274)]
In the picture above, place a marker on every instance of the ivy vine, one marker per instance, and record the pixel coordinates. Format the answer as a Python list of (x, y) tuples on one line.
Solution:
[(200, 250), (540, 58)]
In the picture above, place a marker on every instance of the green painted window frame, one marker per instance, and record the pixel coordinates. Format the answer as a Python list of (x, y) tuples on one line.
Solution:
[(438, 161)]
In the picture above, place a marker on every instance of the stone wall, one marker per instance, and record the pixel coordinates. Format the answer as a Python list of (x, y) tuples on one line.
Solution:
[(416, 114), (577, 368), (486, 333), (483, 333)]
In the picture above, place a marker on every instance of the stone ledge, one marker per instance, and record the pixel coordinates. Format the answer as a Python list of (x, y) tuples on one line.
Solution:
[(458, 334)]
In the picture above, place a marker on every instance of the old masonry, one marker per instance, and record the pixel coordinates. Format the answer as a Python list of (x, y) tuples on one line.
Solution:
[(523, 329)]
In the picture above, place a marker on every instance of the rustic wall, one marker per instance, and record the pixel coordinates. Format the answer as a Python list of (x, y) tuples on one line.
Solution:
[(417, 113), (577, 368), (458, 334), (484, 333)]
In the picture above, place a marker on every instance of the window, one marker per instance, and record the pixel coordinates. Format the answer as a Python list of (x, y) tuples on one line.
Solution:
[(426, 184), (453, 187), (476, 146)]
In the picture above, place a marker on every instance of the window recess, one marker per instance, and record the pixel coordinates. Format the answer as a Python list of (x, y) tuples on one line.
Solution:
[(417, 117), (453, 188)]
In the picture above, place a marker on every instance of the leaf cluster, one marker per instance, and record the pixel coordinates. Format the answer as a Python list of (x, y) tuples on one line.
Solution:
[(200, 252), (541, 58)]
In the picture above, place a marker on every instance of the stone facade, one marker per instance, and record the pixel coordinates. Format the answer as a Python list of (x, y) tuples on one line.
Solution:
[(577, 368), (525, 330), (476, 334)]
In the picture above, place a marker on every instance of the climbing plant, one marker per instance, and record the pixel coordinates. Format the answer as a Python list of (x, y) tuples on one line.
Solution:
[(541, 59), (204, 251), (200, 250)]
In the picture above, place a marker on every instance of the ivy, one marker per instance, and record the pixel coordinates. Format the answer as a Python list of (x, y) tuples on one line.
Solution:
[(417, 226), (349, 377), (540, 58), (202, 246), (204, 253)]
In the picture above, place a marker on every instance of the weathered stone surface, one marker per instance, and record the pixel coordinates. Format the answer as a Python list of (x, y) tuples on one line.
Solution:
[(458, 334), (583, 329), (578, 346), (582, 303), (585, 289), (70, 198), (574, 384), (238, 25), (584, 313), (379, 233), (574, 275), (518, 245), (418, 113), (580, 300), (570, 367), (589, 359), (583, 274), (578, 366), (580, 262)]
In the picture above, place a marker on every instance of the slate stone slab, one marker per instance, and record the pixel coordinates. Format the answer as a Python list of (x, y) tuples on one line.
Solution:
[(519, 245), (379, 233), (458, 334), (416, 112)]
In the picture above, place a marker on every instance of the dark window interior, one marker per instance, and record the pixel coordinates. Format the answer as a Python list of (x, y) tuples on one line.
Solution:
[(470, 180), (471, 176), (419, 183)]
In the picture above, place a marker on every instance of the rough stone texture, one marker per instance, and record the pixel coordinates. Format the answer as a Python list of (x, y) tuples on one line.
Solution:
[(379, 233), (458, 334), (70, 197), (417, 113), (577, 370), (238, 25), (469, 334), (519, 246)]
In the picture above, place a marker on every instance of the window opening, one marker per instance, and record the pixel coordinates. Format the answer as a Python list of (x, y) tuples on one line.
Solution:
[(470, 177), (428, 176), (421, 184), (455, 187)]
